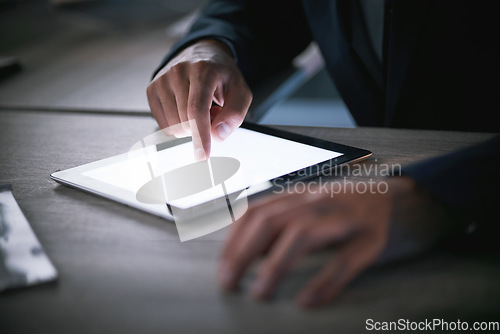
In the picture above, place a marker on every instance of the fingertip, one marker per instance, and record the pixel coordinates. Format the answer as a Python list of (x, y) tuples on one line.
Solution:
[(308, 301), (199, 154), (260, 291), (201, 146), (226, 277)]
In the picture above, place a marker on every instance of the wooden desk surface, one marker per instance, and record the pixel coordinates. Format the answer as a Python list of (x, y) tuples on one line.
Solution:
[(103, 50), (125, 271)]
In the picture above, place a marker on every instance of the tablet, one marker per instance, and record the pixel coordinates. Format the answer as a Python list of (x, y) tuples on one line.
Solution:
[(262, 156)]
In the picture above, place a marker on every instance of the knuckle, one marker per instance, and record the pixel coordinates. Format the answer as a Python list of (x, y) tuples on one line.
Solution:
[(158, 86), (195, 108), (178, 68), (178, 71), (203, 65), (240, 82), (151, 90), (205, 71), (249, 96)]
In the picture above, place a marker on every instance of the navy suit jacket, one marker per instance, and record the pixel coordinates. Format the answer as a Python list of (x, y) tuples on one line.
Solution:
[(440, 70)]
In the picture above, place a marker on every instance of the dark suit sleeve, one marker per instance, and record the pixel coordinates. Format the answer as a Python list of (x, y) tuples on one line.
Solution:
[(466, 181), (264, 35)]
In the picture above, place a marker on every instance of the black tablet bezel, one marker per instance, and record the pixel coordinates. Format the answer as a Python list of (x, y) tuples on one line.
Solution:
[(350, 154)]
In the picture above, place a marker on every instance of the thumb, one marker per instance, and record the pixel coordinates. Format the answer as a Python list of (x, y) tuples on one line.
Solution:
[(227, 119)]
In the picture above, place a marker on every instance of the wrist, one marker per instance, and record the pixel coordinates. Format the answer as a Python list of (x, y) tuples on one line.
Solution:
[(401, 186), (418, 221), (215, 43)]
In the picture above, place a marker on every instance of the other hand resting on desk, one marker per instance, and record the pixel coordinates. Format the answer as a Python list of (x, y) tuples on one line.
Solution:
[(362, 227)]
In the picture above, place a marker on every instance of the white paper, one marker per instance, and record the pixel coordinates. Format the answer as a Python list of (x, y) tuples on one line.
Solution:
[(22, 259)]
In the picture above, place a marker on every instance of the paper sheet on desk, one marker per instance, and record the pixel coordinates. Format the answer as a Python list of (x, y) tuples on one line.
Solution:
[(22, 259)]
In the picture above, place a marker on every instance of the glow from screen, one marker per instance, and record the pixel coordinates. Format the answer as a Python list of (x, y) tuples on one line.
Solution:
[(262, 158)]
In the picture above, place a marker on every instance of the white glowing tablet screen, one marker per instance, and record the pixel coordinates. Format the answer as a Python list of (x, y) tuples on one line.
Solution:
[(262, 158)]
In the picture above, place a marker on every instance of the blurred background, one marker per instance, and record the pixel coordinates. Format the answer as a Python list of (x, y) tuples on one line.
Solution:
[(99, 55)]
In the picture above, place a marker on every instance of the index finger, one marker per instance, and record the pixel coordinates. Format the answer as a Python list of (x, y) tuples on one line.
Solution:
[(198, 109)]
